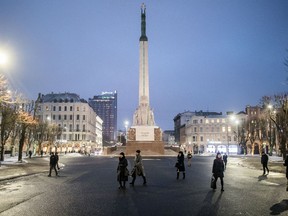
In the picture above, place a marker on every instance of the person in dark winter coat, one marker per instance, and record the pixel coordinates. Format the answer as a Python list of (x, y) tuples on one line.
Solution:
[(286, 164), (264, 162), (218, 170), (138, 168), (53, 162), (122, 171), (180, 164), (225, 159)]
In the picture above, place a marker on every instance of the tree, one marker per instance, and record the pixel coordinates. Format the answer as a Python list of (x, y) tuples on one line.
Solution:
[(7, 114)]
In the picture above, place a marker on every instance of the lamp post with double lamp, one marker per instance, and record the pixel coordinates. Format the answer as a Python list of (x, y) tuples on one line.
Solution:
[(126, 124), (270, 108)]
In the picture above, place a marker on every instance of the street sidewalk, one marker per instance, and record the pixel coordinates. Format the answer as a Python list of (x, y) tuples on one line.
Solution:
[(11, 169)]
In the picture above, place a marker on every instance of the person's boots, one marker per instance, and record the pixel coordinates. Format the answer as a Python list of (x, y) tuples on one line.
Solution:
[(132, 183), (144, 180), (222, 188), (183, 175), (177, 175)]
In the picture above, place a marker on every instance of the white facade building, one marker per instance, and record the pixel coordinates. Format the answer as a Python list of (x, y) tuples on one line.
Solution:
[(81, 127), (212, 134)]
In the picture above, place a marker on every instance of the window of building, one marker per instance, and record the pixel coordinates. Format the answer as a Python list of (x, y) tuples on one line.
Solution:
[(77, 117), (229, 129), (201, 129), (70, 128), (47, 108), (77, 127), (65, 117), (53, 117), (84, 117), (195, 129), (201, 138), (201, 121), (212, 120), (207, 121), (229, 138), (54, 108), (59, 117), (84, 108), (194, 138), (218, 121), (223, 129), (84, 129), (65, 108), (223, 121), (71, 117), (195, 121), (77, 108), (71, 108), (212, 129), (64, 136), (59, 108)]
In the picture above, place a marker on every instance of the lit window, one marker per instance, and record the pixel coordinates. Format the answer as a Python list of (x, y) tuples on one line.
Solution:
[(223, 129), (207, 121)]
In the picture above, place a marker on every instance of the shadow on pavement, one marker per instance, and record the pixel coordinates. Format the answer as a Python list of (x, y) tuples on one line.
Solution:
[(262, 177), (278, 208), (210, 208)]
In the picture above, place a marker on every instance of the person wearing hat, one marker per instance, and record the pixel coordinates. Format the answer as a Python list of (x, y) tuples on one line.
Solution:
[(122, 171), (138, 168)]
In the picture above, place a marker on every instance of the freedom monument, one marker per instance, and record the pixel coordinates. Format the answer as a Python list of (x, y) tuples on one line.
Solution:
[(144, 134)]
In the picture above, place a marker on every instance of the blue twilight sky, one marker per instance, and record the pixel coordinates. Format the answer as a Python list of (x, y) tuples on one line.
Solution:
[(215, 55)]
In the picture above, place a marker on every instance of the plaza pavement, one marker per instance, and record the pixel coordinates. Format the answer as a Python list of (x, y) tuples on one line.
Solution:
[(11, 169)]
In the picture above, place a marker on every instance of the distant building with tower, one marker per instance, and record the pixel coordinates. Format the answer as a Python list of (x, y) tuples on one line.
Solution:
[(105, 105)]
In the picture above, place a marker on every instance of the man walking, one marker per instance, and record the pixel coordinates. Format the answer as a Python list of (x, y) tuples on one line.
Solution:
[(225, 159), (53, 163), (138, 168), (264, 162)]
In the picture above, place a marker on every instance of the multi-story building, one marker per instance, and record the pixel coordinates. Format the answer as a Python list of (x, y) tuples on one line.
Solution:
[(212, 132), (81, 128), (168, 137), (179, 120), (105, 105)]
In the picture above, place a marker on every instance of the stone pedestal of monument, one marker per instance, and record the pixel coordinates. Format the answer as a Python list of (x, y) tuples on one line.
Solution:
[(145, 138)]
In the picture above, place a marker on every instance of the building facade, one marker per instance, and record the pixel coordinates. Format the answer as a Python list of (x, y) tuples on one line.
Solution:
[(105, 105), (81, 128), (210, 133)]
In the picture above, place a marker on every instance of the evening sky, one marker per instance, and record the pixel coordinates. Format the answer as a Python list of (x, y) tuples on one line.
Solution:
[(210, 55)]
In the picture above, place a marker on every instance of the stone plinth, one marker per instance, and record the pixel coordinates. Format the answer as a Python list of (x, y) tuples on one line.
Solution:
[(146, 147)]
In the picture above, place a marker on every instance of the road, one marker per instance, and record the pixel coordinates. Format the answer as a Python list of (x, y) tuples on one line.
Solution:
[(87, 186)]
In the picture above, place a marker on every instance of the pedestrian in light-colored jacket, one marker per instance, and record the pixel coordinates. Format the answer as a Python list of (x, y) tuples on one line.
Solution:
[(138, 168)]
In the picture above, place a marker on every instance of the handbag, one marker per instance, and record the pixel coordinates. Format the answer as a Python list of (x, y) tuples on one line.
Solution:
[(176, 164), (213, 182)]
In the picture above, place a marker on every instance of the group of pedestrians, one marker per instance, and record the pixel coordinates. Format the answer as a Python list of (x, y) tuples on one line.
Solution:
[(123, 172)]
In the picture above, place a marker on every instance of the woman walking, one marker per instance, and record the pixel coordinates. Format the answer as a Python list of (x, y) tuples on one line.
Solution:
[(180, 164), (122, 171), (218, 170)]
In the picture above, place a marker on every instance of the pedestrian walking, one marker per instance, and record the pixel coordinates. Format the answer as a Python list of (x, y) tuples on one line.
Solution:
[(122, 171), (180, 164), (138, 168), (264, 162), (225, 159), (218, 170), (189, 157), (286, 164), (30, 153), (53, 163), (57, 160)]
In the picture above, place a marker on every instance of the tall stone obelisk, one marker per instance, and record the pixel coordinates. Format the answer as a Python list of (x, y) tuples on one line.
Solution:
[(143, 114), (144, 134)]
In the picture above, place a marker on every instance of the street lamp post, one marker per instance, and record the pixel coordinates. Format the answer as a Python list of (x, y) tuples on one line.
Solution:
[(126, 123)]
